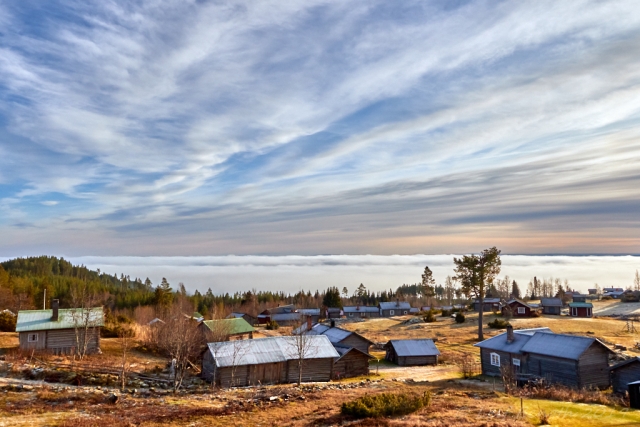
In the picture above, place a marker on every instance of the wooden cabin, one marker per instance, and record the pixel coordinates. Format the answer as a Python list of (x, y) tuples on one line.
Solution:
[(574, 361), (412, 352), (271, 360), (226, 329), (337, 336), (551, 306), (351, 363), (332, 312), (60, 330), (252, 320), (581, 309), (397, 308), (489, 304), (625, 373), (283, 315), (517, 308), (312, 313), (362, 311)]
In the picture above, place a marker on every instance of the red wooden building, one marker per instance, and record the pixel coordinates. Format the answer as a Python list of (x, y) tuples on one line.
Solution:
[(581, 309), (517, 308)]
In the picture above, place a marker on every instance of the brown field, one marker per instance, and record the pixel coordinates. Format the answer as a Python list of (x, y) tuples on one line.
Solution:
[(455, 401)]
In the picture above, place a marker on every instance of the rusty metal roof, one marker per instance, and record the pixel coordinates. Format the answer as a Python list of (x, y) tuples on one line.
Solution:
[(68, 318)]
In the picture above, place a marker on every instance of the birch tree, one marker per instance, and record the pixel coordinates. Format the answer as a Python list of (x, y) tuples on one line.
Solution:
[(85, 317)]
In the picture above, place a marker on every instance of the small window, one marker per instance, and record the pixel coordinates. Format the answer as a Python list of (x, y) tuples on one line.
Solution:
[(405, 312), (495, 359), (391, 312), (32, 338), (363, 315), (516, 362), (350, 314), (521, 310)]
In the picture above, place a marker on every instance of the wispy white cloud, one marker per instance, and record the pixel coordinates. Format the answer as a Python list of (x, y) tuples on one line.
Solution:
[(321, 126)]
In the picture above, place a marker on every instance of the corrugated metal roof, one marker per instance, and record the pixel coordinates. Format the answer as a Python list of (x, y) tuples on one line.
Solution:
[(236, 325), (625, 363), (394, 305), (423, 347), (336, 335), (521, 337), (551, 302), (285, 317), (40, 320), (488, 301), (558, 345), (581, 304), (343, 350), (309, 311), (361, 309), (269, 350)]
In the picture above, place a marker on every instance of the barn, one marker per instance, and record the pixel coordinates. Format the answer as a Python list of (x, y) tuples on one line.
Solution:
[(489, 304), (271, 360), (412, 352), (362, 311), (624, 373), (282, 314), (55, 330), (225, 329), (351, 363), (337, 336)]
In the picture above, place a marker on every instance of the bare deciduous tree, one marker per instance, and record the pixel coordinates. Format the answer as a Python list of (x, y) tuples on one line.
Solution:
[(85, 316), (125, 338), (303, 347)]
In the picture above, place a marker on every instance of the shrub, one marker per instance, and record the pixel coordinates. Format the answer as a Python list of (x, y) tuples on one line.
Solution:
[(7, 322), (385, 405), (429, 317), (272, 325), (499, 324), (460, 318), (535, 313), (607, 298)]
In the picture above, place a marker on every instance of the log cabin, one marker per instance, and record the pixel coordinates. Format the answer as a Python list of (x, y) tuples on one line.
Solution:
[(60, 331), (625, 373), (412, 352)]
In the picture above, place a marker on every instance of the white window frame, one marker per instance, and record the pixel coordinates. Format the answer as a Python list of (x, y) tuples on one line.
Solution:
[(495, 359), (515, 362), (392, 312), (32, 338), (574, 311), (363, 314), (405, 312), (521, 310)]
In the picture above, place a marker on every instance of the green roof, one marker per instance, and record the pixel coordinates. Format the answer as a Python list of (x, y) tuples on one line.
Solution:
[(581, 305), (40, 320), (230, 326)]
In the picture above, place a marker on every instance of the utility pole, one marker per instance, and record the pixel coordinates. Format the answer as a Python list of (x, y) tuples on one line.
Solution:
[(44, 300)]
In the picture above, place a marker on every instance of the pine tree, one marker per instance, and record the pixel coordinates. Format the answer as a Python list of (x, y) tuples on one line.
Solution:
[(515, 290)]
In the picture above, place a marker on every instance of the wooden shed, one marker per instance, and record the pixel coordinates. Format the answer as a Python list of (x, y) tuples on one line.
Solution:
[(517, 308), (60, 330), (225, 329), (351, 363), (282, 314), (252, 320), (269, 361), (551, 305), (489, 304), (624, 373), (362, 311), (581, 309), (337, 336), (412, 352)]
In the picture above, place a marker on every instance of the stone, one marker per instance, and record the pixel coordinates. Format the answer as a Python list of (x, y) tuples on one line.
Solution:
[(112, 398)]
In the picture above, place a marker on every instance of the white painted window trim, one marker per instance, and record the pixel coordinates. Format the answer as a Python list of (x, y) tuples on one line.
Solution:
[(32, 338), (515, 362), (495, 359), (405, 312), (521, 310), (392, 312)]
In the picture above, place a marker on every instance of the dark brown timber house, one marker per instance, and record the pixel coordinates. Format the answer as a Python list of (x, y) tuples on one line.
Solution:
[(574, 361)]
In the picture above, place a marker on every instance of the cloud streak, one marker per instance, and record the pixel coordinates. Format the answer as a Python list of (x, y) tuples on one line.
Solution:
[(191, 128)]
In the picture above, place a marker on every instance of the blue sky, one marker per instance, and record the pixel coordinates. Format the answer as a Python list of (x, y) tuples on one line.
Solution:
[(171, 128)]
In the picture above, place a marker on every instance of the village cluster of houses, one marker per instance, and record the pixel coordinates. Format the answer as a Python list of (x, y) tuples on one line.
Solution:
[(515, 307)]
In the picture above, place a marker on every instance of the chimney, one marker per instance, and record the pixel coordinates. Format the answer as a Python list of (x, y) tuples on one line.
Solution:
[(55, 304), (309, 323), (333, 323), (397, 302), (510, 336)]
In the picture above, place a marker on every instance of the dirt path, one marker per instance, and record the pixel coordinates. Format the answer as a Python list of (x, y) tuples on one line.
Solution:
[(418, 373)]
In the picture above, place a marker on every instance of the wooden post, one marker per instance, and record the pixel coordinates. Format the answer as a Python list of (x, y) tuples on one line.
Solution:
[(521, 408)]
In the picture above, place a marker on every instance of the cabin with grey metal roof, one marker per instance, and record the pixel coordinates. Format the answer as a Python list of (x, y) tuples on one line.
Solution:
[(361, 311), (60, 331), (625, 373), (551, 305), (271, 360), (252, 320), (416, 352), (570, 360), (394, 308)]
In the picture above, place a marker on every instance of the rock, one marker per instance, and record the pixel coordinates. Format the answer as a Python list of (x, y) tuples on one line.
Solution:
[(112, 398)]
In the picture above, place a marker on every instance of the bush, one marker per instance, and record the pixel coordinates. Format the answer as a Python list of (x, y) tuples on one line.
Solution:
[(607, 298), (429, 317), (7, 322), (535, 313), (499, 324), (460, 318), (272, 325), (386, 405)]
